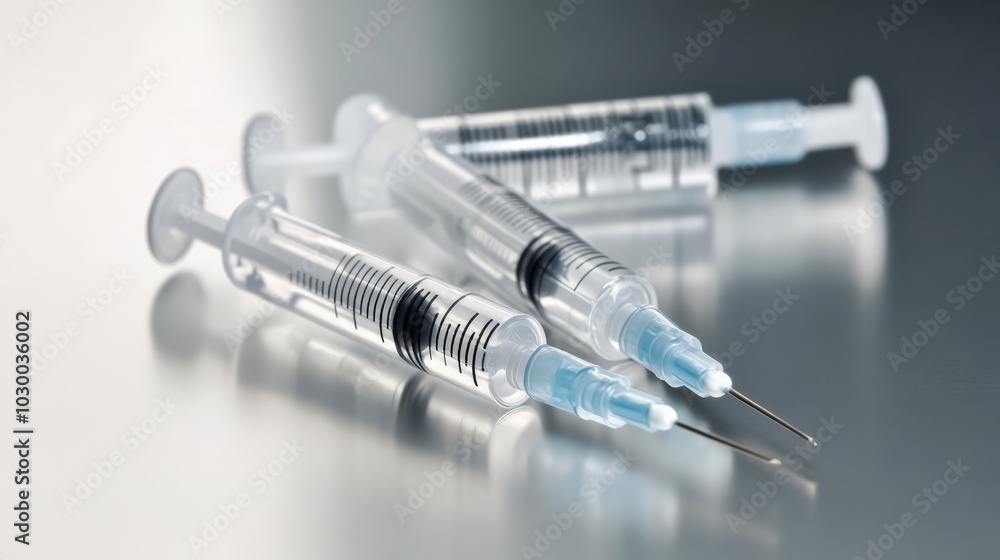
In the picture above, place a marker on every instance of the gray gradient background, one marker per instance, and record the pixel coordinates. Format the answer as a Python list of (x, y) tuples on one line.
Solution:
[(367, 444)]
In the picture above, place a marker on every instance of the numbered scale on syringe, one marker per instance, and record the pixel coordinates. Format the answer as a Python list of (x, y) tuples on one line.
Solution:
[(431, 324), (586, 149)]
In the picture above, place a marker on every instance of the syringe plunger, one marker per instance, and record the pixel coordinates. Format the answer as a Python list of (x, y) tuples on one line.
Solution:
[(784, 131)]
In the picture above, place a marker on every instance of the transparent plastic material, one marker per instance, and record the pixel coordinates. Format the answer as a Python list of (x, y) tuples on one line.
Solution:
[(586, 149), (666, 145), (784, 131), (512, 244), (435, 326), (568, 383), (657, 343), (486, 348), (440, 329)]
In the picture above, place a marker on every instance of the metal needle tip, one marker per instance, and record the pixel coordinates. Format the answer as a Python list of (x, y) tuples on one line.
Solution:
[(772, 416), (730, 443)]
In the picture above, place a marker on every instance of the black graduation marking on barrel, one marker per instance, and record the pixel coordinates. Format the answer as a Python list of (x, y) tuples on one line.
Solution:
[(553, 250), (672, 133), (356, 286)]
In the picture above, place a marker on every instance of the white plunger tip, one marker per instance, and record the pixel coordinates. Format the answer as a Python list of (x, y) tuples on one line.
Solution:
[(872, 147), (662, 417), (179, 191), (716, 383)]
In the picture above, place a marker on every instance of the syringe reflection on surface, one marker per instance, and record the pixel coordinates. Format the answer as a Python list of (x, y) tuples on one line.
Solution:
[(673, 491), (518, 465)]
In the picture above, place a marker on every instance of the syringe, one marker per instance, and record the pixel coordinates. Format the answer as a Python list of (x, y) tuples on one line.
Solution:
[(623, 147), (523, 252), (463, 338)]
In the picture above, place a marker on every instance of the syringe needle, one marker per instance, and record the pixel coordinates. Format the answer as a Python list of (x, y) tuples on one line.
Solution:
[(772, 416), (730, 443)]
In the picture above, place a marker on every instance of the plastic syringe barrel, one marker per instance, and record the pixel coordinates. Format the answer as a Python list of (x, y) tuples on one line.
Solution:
[(512, 244), (461, 337), (586, 149), (447, 332)]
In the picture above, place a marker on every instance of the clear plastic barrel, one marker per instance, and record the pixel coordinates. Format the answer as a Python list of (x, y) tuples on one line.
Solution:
[(455, 335), (587, 149), (513, 245)]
